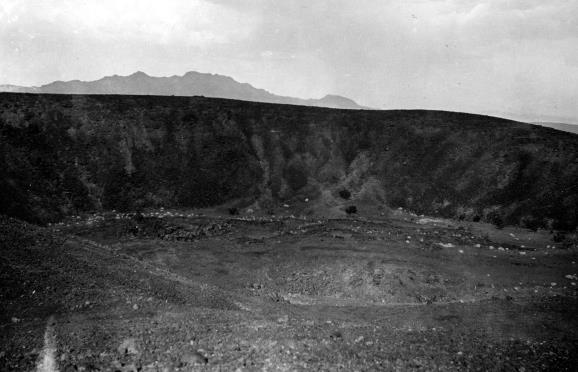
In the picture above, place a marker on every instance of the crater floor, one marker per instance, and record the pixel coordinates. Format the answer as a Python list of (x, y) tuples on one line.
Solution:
[(184, 290)]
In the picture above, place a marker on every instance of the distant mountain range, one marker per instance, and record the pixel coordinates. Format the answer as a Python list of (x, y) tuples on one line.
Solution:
[(190, 84), (209, 85)]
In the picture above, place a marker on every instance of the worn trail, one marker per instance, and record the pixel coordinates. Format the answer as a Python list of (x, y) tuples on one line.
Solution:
[(47, 358)]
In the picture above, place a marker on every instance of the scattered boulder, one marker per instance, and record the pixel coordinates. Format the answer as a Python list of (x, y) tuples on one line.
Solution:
[(191, 358), (336, 335), (128, 347)]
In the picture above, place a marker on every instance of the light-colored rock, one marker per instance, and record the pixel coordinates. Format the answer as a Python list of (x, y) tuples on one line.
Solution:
[(128, 346)]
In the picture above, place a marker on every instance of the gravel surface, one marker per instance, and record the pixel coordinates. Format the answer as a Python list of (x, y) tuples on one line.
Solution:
[(187, 292)]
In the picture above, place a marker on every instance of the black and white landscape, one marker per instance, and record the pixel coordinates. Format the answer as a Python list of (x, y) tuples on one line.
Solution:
[(191, 83), (422, 215)]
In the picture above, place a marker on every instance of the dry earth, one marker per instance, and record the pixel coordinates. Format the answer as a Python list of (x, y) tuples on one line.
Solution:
[(199, 291)]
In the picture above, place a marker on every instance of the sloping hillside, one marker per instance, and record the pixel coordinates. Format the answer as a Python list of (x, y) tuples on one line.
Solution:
[(62, 154), (572, 128)]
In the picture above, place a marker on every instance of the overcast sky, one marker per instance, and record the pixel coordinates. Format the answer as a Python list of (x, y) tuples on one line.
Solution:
[(488, 56)]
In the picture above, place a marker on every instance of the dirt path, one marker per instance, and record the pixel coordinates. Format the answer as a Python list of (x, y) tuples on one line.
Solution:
[(47, 360)]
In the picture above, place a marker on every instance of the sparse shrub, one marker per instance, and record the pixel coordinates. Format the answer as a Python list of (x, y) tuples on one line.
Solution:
[(276, 297), (345, 194), (233, 211), (531, 223), (496, 219), (566, 240), (351, 209), (563, 225), (559, 237), (138, 217), (499, 223)]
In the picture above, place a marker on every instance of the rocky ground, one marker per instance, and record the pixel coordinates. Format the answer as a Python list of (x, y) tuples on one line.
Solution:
[(169, 290)]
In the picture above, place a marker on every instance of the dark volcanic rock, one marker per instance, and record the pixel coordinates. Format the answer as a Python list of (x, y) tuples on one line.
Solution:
[(63, 154)]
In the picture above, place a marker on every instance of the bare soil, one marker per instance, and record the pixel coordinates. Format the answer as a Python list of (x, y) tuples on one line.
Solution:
[(191, 291)]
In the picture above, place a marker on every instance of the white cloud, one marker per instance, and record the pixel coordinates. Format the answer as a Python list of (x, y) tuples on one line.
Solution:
[(470, 55), (193, 22)]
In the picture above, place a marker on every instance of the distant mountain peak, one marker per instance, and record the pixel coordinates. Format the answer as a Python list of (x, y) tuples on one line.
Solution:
[(192, 83), (139, 74), (191, 73), (337, 101), (335, 97)]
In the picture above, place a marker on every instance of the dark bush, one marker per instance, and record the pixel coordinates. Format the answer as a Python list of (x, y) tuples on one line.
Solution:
[(496, 219), (351, 209), (531, 223), (233, 211), (559, 237), (476, 218), (345, 194)]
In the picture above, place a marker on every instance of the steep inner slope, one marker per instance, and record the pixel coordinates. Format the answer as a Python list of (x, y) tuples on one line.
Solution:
[(64, 154)]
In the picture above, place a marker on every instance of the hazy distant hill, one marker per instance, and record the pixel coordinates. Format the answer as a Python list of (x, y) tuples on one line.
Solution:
[(64, 154), (190, 84), (572, 128), (17, 89)]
